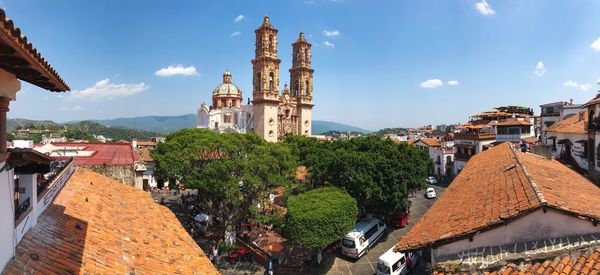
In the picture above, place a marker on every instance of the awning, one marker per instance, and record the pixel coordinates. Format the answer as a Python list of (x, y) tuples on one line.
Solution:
[(564, 141), (29, 161), (551, 137), (581, 141)]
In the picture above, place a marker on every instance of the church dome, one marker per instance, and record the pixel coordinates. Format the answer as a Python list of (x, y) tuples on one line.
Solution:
[(227, 88)]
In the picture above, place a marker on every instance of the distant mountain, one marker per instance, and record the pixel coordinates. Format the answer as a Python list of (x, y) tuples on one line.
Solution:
[(320, 126), (160, 124), (166, 124), (15, 123)]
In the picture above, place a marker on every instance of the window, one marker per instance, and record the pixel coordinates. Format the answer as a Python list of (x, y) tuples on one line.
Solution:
[(271, 77), (259, 82), (227, 118), (296, 87), (306, 88), (223, 103), (306, 56), (348, 243), (371, 231)]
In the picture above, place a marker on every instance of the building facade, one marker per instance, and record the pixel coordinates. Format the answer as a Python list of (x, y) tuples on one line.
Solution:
[(272, 114)]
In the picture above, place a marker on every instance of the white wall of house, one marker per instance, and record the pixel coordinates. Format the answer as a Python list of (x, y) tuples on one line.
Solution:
[(577, 150), (7, 213), (532, 227)]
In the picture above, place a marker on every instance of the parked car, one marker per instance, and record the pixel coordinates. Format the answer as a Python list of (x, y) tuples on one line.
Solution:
[(395, 263), (431, 180), (430, 194), (398, 218), (366, 232)]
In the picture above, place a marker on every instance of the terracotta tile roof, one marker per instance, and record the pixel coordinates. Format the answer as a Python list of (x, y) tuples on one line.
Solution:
[(570, 125), (578, 262), (530, 140), (19, 57), (145, 155), (146, 143), (496, 186), (593, 101), (97, 225), (514, 123), (432, 142), (110, 153)]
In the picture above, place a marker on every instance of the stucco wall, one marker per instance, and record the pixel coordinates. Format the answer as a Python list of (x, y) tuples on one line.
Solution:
[(123, 173), (534, 226), (7, 225)]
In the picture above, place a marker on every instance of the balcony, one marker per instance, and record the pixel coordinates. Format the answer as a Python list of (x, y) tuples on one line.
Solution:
[(474, 136), (462, 157), (22, 208)]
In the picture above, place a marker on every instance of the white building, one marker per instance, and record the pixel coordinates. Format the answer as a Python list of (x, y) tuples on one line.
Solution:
[(227, 113), (441, 153)]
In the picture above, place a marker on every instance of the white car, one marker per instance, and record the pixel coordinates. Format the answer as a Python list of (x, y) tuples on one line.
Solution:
[(430, 193), (431, 180)]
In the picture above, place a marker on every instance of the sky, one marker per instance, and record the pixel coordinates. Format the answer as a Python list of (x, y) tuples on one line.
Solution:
[(377, 63)]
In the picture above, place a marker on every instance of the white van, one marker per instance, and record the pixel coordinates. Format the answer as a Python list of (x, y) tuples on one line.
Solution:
[(395, 263), (365, 233)]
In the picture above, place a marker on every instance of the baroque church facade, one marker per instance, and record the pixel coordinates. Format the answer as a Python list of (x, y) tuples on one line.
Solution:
[(273, 113)]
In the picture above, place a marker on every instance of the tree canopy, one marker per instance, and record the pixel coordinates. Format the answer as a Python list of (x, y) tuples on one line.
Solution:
[(229, 170), (379, 174), (320, 217)]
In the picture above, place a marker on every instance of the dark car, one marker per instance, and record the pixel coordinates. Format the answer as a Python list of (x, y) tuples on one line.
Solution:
[(398, 218)]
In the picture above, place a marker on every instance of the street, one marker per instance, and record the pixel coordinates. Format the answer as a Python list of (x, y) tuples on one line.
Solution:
[(367, 264)]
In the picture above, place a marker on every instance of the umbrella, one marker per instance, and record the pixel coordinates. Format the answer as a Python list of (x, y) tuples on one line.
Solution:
[(202, 218)]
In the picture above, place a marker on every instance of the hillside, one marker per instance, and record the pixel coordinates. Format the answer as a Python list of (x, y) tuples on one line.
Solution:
[(320, 126), (84, 129), (153, 125), (15, 123), (160, 124), (166, 124)]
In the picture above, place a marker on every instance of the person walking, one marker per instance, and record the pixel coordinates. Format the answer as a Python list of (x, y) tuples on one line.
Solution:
[(270, 266)]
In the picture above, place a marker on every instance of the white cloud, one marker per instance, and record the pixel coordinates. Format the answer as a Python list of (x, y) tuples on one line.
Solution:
[(540, 69), (74, 108), (331, 33), (453, 82), (235, 34), (596, 44), (574, 84), (431, 83), (178, 69), (239, 18), (104, 89), (328, 44), (484, 8)]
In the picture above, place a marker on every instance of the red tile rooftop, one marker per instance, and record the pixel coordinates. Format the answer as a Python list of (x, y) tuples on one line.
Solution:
[(499, 185), (97, 225), (110, 153)]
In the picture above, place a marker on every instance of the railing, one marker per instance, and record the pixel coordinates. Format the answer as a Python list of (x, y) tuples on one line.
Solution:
[(22, 208), (474, 136), (54, 174), (462, 157)]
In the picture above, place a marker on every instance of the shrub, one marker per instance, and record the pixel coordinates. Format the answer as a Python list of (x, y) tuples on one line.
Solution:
[(320, 217)]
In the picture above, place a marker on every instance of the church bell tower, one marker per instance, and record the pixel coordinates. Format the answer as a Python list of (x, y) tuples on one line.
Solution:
[(265, 67), (301, 80)]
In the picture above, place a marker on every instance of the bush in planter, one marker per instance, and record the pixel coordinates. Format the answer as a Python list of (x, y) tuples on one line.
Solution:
[(320, 217)]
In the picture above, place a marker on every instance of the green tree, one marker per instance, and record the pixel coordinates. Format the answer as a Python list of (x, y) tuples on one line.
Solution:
[(320, 217), (378, 173), (230, 171)]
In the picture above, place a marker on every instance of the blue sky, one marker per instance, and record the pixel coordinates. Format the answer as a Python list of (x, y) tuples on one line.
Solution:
[(377, 63)]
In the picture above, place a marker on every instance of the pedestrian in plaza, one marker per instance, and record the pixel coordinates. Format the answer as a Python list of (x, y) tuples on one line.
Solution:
[(215, 252), (270, 266)]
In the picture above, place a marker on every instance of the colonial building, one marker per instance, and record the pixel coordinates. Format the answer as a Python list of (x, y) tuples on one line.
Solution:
[(227, 113), (507, 206), (273, 114)]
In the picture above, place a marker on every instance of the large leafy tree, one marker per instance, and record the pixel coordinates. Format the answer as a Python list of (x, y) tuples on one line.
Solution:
[(378, 173), (230, 171), (320, 217)]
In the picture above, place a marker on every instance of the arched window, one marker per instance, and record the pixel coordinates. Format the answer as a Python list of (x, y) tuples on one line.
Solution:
[(306, 88), (271, 77), (271, 45), (591, 120), (306, 56), (296, 87), (259, 82)]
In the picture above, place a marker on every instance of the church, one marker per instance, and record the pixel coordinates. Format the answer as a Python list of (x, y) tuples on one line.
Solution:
[(272, 114)]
